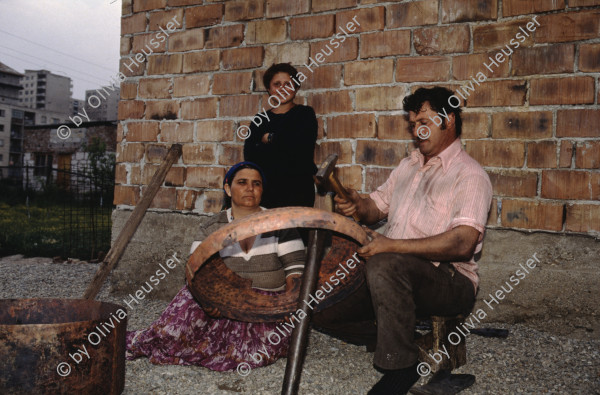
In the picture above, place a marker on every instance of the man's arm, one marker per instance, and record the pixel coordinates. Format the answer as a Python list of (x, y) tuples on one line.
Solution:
[(364, 206), (456, 245)]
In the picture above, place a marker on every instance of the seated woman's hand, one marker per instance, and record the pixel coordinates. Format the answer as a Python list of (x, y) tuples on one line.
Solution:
[(212, 311), (292, 281)]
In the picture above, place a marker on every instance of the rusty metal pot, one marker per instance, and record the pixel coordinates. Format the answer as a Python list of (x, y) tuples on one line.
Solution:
[(56, 346)]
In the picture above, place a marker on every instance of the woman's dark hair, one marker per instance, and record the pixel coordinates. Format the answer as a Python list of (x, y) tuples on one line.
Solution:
[(231, 175), (437, 97), (280, 68)]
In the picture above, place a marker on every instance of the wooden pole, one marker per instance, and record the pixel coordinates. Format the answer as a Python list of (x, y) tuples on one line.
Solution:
[(134, 220)]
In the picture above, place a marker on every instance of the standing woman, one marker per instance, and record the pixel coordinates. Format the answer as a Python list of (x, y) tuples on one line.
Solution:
[(283, 145)]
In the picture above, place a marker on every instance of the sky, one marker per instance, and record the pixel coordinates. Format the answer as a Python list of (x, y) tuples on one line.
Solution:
[(74, 38)]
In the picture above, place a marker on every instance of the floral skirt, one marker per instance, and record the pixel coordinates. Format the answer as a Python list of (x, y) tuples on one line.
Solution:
[(185, 335)]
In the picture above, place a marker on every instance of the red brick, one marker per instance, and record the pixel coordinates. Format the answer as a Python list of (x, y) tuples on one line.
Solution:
[(277, 8), (351, 126), (231, 83), (493, 214), (395, 42), (163, 109), (120, 134), (203, 16), (468, 10), (393, 127), (475, 125), (128, 90), (148, 173), (572, 26), (441, 40), (587, 155), (133, 152), (201, 61), (323, 77), (214, 130), (121, 174), (188, 40), (130, 68), (531, 215), (513, 183), (418, 13), (155, 88), (241, 10), (498, 35), (379, 153), (191, 85), (522, 125), (135, 175), (369, 72), (172, 18), (361, 20), (350, 176), (578, 123), (176, 3), (497, 93), (231, 154), (165, 64), (375, 177), (583, 3), (544, 60), (519, 7), (128, 196), (199, 108), (380, 98), (497, 153), (326, 148), (205, 177), (239, 106), (165, 198), (186, 199), (148, 5), (156, 153), (329, 102), (126, 7), (177, 132), (348, 50), (212, 201), (269, 31), (565, 184), (225, 36), (242, 58), (142, 42), (133, 24), (562, 90), (566, 154), (294, 53), (466, 67), (175, 177), (541, 154), (589, 57), (326, 5), (125, 45), (198, 154), (423, 68), (131, 109), (318, 26), (142, 131), (583, 218)]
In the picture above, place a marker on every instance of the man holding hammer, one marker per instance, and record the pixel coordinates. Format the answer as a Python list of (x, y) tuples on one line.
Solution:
[(436, 202)]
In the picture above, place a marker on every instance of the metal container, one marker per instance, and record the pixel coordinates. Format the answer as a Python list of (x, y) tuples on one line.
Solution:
[(61, 346)]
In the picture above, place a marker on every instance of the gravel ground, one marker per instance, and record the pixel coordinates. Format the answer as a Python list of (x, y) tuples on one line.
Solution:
[(528, 361)]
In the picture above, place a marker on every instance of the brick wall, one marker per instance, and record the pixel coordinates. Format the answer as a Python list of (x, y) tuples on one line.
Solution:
[(534, 124)]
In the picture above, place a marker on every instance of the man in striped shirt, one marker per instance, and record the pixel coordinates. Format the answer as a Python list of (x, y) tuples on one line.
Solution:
[(436, 202)]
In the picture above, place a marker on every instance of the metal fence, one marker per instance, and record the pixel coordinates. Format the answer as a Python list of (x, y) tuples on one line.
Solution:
[(55, 212)]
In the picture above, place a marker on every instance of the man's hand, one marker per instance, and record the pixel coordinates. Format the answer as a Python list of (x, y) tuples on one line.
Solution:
[(291, 280), (379, 243), (348, 207)]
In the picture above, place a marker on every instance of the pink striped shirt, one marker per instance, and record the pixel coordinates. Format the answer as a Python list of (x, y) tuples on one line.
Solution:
[(451, 189)]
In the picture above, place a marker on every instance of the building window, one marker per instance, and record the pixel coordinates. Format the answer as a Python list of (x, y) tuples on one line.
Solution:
[(43, 119), (2, 113), (43, 164), (55, 120), (1, 143), (1, 128)]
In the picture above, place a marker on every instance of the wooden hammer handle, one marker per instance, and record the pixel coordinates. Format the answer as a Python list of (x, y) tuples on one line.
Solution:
[(339, 189)]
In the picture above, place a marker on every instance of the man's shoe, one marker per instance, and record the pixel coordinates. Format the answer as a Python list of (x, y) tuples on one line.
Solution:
[(449, 384), (396, 382)]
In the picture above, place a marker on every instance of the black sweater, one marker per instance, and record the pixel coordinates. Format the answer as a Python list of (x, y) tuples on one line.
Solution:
[(288, 159)]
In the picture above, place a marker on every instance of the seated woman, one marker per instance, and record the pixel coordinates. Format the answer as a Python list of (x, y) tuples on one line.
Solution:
[(185, 334)]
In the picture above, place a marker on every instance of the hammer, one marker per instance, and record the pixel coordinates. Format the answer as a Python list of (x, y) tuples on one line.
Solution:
[(326, 179)]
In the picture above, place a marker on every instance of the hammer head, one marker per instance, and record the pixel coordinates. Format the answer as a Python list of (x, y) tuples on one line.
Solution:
[(325, 170)]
